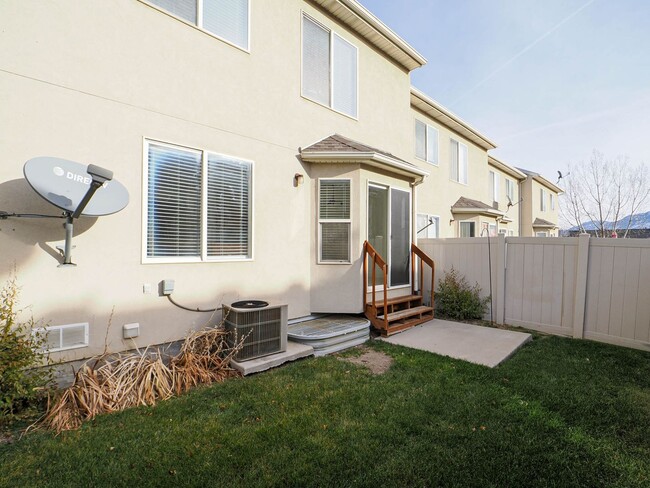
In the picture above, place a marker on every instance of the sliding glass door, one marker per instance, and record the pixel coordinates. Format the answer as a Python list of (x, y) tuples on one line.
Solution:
[(389, 231)]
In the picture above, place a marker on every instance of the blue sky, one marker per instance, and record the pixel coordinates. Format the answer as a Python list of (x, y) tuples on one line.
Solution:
[(548, 80)]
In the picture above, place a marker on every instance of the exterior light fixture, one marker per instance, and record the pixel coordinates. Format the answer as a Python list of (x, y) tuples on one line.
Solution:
[(298, 179)]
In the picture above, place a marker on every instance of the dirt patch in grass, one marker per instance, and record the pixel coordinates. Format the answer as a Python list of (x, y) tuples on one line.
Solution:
[(377, 362)]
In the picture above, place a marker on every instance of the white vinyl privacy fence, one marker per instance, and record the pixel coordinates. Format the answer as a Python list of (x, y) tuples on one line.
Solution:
[(582, 287)]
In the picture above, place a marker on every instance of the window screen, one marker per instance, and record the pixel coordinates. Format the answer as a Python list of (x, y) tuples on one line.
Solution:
[(334, 220)]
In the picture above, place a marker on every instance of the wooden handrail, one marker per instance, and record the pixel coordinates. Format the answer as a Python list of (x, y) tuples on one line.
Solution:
[(424, 259), (377, 260)]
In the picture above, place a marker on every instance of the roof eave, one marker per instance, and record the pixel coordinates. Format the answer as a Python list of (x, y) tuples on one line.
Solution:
[(506, 168), (370, 158), (544, 226), (543, 181), (481, 211), (439, 113), (374, 31)]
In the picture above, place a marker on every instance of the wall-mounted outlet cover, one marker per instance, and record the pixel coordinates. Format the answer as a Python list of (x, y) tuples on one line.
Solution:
[(131, 330)]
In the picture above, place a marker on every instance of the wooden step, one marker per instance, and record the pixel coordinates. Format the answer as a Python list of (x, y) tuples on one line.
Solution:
[(404, 299), (404, 314), (400, 326)]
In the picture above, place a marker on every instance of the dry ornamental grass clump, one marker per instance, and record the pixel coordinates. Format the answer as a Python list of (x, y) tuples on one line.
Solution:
[(113, 382)]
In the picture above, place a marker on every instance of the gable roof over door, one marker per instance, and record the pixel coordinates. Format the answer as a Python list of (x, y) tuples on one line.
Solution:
[(339, 149)]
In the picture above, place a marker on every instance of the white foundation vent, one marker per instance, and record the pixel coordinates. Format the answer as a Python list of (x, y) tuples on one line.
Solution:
[(264, 330), (64, 337)]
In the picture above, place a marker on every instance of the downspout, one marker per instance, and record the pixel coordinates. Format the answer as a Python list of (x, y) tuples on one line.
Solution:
[(519, 211), (414, 215)]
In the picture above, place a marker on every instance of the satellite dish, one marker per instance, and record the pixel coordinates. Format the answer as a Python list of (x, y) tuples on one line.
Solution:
[(77, 190), (65, 183)]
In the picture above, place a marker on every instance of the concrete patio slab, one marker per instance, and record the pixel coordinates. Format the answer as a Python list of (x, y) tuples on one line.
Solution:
[(473, 343), (294, 351)]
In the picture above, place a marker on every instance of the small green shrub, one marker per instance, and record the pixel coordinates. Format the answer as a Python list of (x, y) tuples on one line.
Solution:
[(455, 299), (22, 379)]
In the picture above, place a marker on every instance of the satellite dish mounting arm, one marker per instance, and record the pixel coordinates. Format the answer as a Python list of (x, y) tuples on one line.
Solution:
[(99, 177)]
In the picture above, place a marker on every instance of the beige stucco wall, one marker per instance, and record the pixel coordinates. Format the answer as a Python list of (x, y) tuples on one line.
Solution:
[(439, 192), (512, 214), (531, 208), (90, 80)]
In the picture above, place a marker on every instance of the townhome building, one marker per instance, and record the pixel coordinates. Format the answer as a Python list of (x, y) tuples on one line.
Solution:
[(262, 144), (539, 207)]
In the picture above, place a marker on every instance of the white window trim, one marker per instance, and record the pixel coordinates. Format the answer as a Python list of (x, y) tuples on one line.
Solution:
[(464, 221), (541, 234), (551, 200), (493, 183), (542, 200), (390, 216), (467, 169), (303, 14), (429, 216), (333, 221), (426, 142), (199, 24), (510, 183), (204, 203), (60, 328)]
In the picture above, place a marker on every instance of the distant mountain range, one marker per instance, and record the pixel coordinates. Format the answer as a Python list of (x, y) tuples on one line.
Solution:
[(638, 221)]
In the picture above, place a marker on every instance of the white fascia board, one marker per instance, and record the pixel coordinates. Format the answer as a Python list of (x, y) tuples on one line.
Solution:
[(506, 168), (384, 30), (479, 211), (543, 181), (439, 113)]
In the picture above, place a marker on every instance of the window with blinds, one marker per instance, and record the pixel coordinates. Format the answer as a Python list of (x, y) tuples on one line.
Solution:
[(458, 161), (467, 229), (542, 200), (183, 185), (329, 68), (227, 19), (334, 221), (426, 142)]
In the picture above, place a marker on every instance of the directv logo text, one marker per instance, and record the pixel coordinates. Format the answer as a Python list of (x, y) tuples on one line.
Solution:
[(74, 177)]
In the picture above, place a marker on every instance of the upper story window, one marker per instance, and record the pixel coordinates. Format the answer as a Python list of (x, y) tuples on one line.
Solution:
[(458, 163), (428, 226), (426, 142), (227, 19), (493, 186), (551, 200), (198, 205), (510, 189), (329, 68), (542, 200)]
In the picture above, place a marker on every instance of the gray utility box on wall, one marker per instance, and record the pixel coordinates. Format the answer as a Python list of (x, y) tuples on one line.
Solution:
[(264, 330)]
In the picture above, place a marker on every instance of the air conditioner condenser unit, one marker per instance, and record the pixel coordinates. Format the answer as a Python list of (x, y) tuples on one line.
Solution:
[(263, 329)]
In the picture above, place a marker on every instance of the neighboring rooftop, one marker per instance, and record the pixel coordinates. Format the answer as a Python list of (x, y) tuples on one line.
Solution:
[(467, 205), (437, 112), (363, 22), (540, 179), (543, 223), (506, 168)]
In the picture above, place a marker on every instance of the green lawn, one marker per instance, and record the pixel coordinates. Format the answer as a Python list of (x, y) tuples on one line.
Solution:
[(559, 413)]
